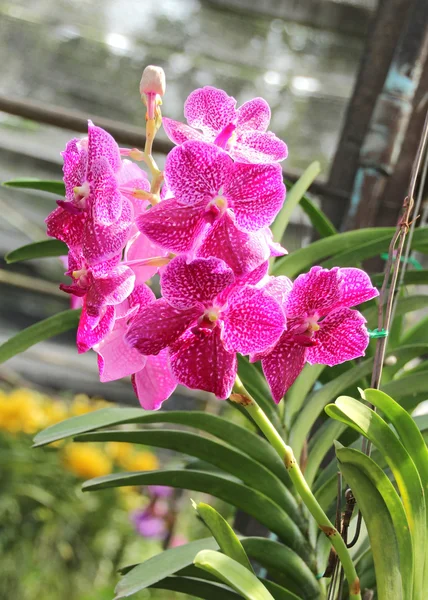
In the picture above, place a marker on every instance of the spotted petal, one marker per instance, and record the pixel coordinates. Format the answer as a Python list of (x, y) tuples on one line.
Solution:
[(210, 109), (158, 325), (92, 330), (75, 158), (66, 227), (342, 336), (195, 283), (203, 363), (101, 145), (155, 382), (278, 287), (258, 147), (173, 226), (315, 292), (256, 193), (356, 287), (253, 115), (283, 365), (253, 321), (242, 251), (110, 290), (179, 132), (105, 197), (196, 171)]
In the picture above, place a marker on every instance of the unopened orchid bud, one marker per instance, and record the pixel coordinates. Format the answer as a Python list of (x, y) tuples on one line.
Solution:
[(153, 81)]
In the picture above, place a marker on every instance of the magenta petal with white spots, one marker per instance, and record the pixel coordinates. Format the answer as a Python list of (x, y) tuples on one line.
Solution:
[(195, 283), (66, 227), (155, 382), (110, 290), (258, 147), (201, 362), (179, 132), (101, 145), (173, 226), (158, 325), (278, 287), (253, 321), (115, 358), (282, 366), (253, 115), (242, 251), (257, 193), (315, 292), (104, 242), (356, 287), (196, 171), (75, 158), (342, 336), (106, 200), (210, 109), (92, 330)]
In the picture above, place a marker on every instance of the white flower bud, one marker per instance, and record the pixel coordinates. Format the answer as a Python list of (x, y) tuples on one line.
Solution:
[(153, 81)]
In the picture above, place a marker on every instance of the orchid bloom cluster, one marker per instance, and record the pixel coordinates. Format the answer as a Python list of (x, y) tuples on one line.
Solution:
[(206, 232)]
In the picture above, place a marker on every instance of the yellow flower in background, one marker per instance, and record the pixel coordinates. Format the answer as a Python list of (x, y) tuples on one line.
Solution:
[(86, 461), (20, 411), (82, 405), (54, 411), (120, 452), (142, 461)]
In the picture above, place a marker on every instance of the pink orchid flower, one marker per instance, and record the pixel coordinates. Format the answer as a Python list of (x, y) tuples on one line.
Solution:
[(205, 321), (321, 327), (241, 132), (152, 379), (220, 208)]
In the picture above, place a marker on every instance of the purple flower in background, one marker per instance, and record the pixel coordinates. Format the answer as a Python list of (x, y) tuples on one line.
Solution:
[(321, 327), (241, 132), (148, 525), (205, 320)]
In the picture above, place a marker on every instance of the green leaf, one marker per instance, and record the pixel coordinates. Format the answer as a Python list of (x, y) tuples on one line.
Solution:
[(294, 196), (301, 260), (55, 187), (247, 441), (41, 249), (223, 533), (370, 424), (418, 333), (349, 456), (408, 388), (410, 277), (319, 445), (316, 402), (196, 588), (43, 330), (227, 458), (253, 502), (278, 559), (298, 392), (319, 220), (160, 566), (233, 574), (381, 531), (405, 305)]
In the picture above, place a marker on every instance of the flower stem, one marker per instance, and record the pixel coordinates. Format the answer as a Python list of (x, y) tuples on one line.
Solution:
[(285, 452)]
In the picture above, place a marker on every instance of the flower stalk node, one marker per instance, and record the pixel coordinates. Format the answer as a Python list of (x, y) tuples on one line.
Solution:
[(241, 399)]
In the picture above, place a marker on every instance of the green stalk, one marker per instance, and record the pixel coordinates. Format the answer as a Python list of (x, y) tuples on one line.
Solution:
[(242, 397)]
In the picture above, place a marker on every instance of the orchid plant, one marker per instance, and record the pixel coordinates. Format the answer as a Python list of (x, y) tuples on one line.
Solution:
[(203, 224)]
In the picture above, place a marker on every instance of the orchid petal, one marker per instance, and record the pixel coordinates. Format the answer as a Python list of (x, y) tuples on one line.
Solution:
[(210, 109), (179, 132), (92, 330), (342, 336), (66, 227), (173, 226), (115, 358), (279, 288), (155, 382), (75, 160), (101, 145), (242, 251), (253, 115), (196, 171), (282, 366), (110, 290), (315, 292), (257, 147), (158, 325), (105, 197), (140, 248), (356, 287), (191, 284), (253, 321), (203, 363), (256, 193)]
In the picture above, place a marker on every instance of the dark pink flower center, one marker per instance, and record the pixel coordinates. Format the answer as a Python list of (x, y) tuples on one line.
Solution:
[(226, 137), (303, 329)]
